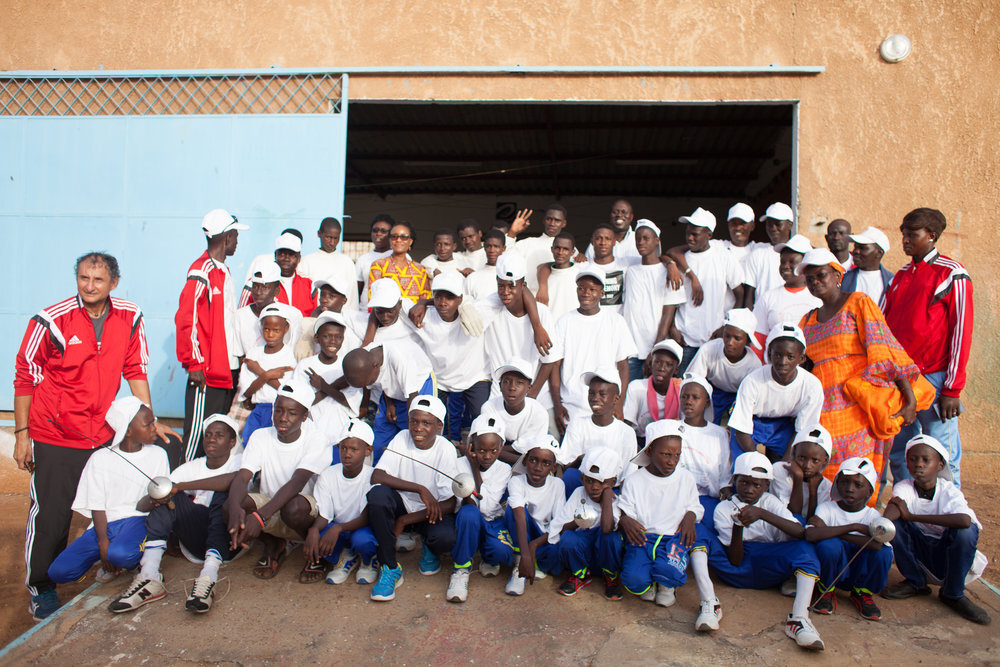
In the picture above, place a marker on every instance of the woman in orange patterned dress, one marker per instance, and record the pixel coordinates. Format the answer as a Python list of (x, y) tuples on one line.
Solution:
[(411, 276), (860, 364)]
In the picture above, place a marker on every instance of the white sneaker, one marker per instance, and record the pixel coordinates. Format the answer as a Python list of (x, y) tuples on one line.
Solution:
[(200, 599), (367, 572), (488, 570), (711, 614), (140, 592), (665, 596), (406, 542), (539, 574), (458, 587), (803, 632), (103, 576), (515, 585), (342, 570), (650, 594)]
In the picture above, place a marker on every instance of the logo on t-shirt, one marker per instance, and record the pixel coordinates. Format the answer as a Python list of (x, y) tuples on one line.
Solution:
[(74, 341), (216, 290), (613, 281)]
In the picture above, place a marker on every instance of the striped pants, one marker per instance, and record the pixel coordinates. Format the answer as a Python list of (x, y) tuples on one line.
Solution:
[(201, 402)]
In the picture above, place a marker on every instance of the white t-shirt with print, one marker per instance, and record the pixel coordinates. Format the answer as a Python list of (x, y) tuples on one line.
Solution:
[(614, 282), (531, 420)]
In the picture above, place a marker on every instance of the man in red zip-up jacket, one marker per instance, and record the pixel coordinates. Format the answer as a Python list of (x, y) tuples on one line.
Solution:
[(68, 370), (206, 330)]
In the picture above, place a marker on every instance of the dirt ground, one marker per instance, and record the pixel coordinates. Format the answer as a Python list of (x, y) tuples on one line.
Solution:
[(282, 621)]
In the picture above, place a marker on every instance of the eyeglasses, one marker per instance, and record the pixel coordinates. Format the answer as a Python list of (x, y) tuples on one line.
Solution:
[(398, 237)]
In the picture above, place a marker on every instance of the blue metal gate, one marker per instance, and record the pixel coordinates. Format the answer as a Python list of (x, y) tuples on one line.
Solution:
[(129, 162)]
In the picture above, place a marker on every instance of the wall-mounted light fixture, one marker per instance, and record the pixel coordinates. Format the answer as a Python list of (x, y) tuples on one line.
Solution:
[(895, 48)]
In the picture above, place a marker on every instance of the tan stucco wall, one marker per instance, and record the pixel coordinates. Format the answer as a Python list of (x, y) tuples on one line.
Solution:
[(876, 140)]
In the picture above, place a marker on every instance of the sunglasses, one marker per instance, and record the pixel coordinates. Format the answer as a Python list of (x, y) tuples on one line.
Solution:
[(398, 237)]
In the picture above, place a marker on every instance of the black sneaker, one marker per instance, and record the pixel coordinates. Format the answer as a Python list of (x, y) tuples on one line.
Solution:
[(573, 585), (613, 587), (904, 590), (862, 599), (826, 603), (967, 609)]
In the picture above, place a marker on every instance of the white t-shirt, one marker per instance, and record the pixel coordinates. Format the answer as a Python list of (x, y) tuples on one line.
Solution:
[(621, 250), (474, 260), (266, 394), (585, 343), (111, 485), (646, 293), (357, 325), (583, 434), (760, 395), (340, 499), (481, 283), (322, 264), (660, 503), (782, 305), (710, 363), (363, 266), (198, 469), (432, 264), (762, 269), (741, 253), (458, 359), (781, 486), (719, 274), (636, 408), (495, 480), (442, 455), (562, 290), (614, 282), (833, 515), (535, 250), (277, 461), (405, 368), (329, 416), (508, 337), (540, 502), (230, 304), (759, 530), (248, 333), (705, 454), (948, 499), (848, 264), (568, 509), (531, 420), (871, 283)]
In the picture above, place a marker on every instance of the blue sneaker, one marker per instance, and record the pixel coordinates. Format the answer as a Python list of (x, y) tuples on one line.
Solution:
[(44, 604), (429, 563), (389, 580)]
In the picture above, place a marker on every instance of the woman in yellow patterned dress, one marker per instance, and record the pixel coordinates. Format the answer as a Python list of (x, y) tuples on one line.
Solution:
[(409, 275)]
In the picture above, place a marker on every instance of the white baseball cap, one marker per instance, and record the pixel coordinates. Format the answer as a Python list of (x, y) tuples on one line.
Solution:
[(484, 424), (275, 310), (671, 346), (535, 441), (516, 365), (936, 445), (700, 218), (355, 428), (740, 211), (335, 282), (431, 404), (511, 266), (779, 211), (872, 235), (744, 320), (691, 378), (298, 391), (606, 373), (649, 224), (816, 435), (590, 270), (267, 272), (797, 243), (857, 465), (385, 293), (747, 462), (328, 317), (288, 241), (818, 257), (654, 431), (121, 413), (785, 330), (218, 221), (601, 463), (224, 419), (449, 281)]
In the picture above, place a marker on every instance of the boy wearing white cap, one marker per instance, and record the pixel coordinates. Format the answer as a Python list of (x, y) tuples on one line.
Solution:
[(412, 487), (762, 264), (328, 262), (340, 535), (658, 396), (778, 399), (479, 523), (534, 496), (265, 366), (788, 302), (868, 275), (649, 302), (936, 531), (112, 485), (659, 512), (840, 529), (799, 483), (586, 526), (519, 414), (194, 515), (760, 545), (296, 290), (706, 445), (288, 455), (726, 360), (386, 316), (264, 288)]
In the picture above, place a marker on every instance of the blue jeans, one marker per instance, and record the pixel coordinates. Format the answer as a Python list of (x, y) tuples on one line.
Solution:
[(930, 424), (949, 557), (125, 550), (592, 549), (462, 404), (474, 533)]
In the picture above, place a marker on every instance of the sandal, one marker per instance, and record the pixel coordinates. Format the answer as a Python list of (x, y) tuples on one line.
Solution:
[(312, 573), (267, 566)]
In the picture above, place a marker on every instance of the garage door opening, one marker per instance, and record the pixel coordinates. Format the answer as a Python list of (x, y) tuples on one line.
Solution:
[(437, 163)]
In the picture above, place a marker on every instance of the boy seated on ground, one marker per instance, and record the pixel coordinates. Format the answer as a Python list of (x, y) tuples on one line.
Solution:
[(726, 360), (591, 548), (840, 529), (520, 414), (340, 536), (265, 366), (193, 513), (936, 530), (406, 492), (600, 429), (776, 399), (656, 397), (705, 451), (479, 524), (287, 455), (760, 545), (109, 494), (659, 510), (534, 496), (799, 483)]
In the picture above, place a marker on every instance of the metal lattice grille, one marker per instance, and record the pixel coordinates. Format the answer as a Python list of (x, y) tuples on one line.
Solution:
[(171, 95)]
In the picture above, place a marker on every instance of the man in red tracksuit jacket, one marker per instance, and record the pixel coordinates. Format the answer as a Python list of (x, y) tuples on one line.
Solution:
[(67, 372), (205, 328)]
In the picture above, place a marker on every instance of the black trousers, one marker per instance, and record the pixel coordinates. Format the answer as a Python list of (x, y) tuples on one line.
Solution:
[(201, 402), (385, 505), (198, 528)]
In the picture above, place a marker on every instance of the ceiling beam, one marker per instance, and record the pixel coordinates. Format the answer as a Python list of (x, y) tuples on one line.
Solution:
[(610, 124), (667, 154)]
